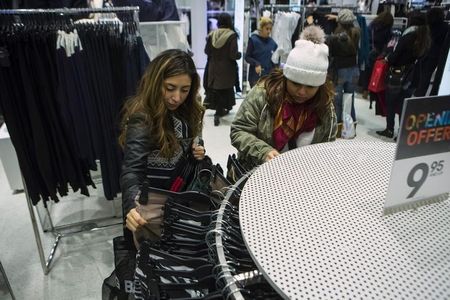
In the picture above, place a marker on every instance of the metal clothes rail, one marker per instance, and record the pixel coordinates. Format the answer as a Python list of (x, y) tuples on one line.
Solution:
[(4, 279), (232, 287), (69, 11), (85, 225)]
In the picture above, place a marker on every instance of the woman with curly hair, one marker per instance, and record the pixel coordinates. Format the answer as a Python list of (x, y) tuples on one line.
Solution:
[(159, 124), (288, 108)]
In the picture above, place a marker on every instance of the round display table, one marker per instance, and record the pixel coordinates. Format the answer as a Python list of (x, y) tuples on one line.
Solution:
[(312, 219)]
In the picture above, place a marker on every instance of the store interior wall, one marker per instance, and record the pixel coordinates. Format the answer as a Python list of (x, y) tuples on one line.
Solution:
[(199, 25)]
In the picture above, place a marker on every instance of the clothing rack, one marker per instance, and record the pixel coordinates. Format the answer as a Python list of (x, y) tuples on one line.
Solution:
[(218, 12), (232, 285), (4, 279), (399, 22), (290, 7), (337, 7), (69, 11), (89, 225)]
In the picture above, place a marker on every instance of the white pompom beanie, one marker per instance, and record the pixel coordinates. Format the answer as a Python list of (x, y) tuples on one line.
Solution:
[(307, 63)]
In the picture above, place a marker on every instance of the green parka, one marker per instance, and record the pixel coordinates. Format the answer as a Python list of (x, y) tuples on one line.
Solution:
[(252, 128)]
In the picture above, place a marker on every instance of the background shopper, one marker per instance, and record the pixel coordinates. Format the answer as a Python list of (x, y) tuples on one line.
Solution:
[(222, 50), (259, 52), (343, 45), (413, 44)]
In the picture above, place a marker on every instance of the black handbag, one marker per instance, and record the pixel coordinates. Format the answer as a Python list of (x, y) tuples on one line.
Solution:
[(193, 175), (400, 77)]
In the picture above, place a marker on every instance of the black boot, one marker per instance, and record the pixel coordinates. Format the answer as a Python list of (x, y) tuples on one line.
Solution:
[(221, 112), (216, 120), (387, 133)]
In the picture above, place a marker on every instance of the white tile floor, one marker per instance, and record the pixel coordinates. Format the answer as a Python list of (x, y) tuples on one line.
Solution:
[(83, 260)]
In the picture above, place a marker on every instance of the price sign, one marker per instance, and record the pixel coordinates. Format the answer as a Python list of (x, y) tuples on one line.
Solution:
[(421, 170)]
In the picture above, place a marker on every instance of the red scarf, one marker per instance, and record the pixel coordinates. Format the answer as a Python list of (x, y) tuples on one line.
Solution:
[(291, 120)]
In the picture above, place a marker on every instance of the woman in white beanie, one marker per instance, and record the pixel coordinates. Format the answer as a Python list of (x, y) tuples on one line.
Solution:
[(288, 108)]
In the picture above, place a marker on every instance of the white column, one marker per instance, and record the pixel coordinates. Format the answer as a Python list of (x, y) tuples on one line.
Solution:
[(239, 25), (444, 88), (198, 32)]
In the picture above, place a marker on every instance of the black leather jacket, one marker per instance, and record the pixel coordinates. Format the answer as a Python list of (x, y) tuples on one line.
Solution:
[(142, 159)]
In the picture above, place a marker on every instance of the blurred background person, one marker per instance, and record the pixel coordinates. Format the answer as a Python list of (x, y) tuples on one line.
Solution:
[(426, 66), (344, 43), (412, 45), (380, 33), (222, 50), (259, 52)]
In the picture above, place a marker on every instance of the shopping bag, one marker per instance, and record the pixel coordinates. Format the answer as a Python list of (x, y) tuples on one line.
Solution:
[(378, 76), (120, 284), (348, 126)]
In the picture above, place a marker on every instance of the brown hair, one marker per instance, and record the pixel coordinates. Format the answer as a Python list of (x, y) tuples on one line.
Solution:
[(422, 40), (275, 85), (384, 18), (149, 101)]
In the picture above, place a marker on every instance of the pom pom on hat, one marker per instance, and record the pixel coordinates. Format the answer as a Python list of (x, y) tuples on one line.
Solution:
[(307, 63), (314, 34)]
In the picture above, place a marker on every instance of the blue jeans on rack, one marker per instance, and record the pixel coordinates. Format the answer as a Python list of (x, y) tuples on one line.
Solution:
[(345, 84)]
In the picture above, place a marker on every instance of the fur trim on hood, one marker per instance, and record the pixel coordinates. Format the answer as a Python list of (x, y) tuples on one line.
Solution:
[(220, 36)]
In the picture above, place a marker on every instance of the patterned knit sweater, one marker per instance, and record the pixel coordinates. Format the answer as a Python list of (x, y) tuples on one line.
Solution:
[(142, 159)]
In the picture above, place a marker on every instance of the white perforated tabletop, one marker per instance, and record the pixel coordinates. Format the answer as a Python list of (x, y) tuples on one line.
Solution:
[(312, 219)]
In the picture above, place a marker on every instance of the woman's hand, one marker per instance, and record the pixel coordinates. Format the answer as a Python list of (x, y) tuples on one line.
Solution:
[(134, 220), (258, 70), (271, 154), (331, 17), (198, 152)]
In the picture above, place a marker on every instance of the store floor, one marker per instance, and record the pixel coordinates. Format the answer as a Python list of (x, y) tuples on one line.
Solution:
[(83, 260)]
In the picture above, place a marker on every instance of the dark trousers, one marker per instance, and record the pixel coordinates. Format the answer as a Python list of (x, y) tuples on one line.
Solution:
[(220, 100), (394, 103)]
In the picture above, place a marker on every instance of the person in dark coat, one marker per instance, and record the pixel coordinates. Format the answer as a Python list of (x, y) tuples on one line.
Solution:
[(380, 33), (344, 44), (222, 50), (259, 52), (412, 45), (427, 65)]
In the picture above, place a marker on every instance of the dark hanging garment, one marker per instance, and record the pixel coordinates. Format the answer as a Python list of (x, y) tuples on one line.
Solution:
[(153, 10), (52, 3), (62, 105), (45, 150), (5, 4), (320, 19)]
